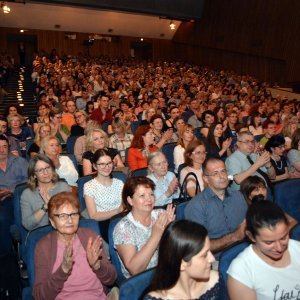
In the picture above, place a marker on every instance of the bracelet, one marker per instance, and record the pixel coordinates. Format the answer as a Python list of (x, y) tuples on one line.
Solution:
[(44, 208)]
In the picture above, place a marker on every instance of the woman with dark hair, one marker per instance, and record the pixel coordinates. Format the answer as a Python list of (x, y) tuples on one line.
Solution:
[(42, 117), (186, 274), (137, 235), (294, 155), (208, 118), (217, 147), (43, 183), (69, 262), (276, 147), (141, 146), (269, 268), (160, 137), (103, 193), (255, 126), (194, 157)]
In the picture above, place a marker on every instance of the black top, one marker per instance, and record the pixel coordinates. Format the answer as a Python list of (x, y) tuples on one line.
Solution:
[(280, 165), (215, 293), (77, 130)]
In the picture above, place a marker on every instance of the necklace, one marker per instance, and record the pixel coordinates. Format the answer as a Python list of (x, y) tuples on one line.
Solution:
[(278, 166)]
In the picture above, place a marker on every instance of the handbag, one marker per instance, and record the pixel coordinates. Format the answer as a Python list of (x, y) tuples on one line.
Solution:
[(183, 195)]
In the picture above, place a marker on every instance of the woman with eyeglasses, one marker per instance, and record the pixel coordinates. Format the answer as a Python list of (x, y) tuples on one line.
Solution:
[(194, 157), (166, 183), (69, 261), (43, 183), (57, 128), (103, 194), (81, 123), (276, 147)]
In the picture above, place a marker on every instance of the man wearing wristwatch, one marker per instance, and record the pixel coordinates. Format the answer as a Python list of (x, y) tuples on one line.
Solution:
[(244, 162)]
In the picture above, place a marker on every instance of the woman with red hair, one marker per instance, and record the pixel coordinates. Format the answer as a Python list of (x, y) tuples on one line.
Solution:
[(141, 146)]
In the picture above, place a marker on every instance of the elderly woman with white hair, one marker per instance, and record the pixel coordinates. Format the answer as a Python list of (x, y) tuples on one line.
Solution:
[(166, 183), (98, 139)]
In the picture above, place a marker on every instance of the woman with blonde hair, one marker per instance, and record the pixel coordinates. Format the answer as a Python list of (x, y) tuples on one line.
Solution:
[(290, 125), (98, 139), (63, 164), (43, 130)]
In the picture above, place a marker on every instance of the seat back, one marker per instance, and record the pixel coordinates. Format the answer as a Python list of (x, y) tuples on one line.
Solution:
[(180, 210), (71, 143), (168, 151), (39, 233), (139, 172), (227, 257), (135, 287), (119, 175), (80, 183), (134, 126), (22, 232), (113, 252), (295, 233), (287, 196)]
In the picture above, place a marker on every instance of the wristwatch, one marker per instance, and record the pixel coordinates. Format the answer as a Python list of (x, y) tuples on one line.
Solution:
[(44, 208)]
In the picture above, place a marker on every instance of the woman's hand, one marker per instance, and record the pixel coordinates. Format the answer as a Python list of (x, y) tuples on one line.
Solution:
[(160, 225), (172, 188), (44, 192), (170, 213), (93, 252), (226, 144), (67, 262)]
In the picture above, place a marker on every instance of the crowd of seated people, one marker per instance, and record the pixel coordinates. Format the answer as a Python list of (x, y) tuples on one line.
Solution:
[(120, 115)]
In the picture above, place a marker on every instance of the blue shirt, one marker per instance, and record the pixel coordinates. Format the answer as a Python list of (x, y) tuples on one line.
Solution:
[(15, 173), (219, 217), (161, 186)]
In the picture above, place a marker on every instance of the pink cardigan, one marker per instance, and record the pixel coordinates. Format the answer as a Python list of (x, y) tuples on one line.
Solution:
[(48, 285)]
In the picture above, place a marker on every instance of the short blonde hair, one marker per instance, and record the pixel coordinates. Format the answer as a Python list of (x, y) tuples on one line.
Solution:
[(9, 118), (46, 141), (89, 139)]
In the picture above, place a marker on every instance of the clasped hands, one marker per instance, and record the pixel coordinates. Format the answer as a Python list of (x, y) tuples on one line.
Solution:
[(93, 254)]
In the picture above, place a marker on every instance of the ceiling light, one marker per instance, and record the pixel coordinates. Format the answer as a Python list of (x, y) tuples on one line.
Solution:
[(5, 7), (172, 25)]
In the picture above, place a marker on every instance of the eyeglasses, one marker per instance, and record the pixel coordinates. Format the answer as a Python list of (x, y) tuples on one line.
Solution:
[(42, 170), (65, 217), (79, 116), (103, 165), (199, 153), (218, 173), (281, 147), (248, 142)]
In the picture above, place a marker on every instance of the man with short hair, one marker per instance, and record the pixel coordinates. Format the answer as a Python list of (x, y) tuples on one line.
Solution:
[(244, 162), (13, 147), (13, 171), (68, 118), (230, 131), (103, 113), (194, 106), (221, 210), (269, 129)]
